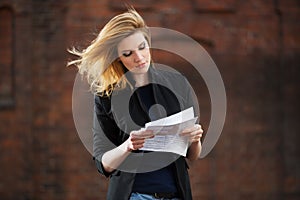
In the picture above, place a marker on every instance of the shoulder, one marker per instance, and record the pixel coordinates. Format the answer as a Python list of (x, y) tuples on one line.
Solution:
[(169, 76), (102, 103), (166, 72)]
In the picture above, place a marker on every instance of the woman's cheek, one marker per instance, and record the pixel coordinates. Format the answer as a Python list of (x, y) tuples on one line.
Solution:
[(127, 64)]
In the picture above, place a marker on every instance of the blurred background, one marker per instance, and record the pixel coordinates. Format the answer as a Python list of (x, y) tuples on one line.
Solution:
[(254, 43)]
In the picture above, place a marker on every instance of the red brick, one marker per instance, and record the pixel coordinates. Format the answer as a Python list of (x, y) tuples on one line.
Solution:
[(137, 4), (256, 7), (215, 5)]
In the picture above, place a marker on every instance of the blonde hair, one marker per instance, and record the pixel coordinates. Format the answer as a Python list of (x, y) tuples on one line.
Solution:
[(99, 61)]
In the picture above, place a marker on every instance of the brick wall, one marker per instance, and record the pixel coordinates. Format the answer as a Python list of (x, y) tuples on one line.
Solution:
[(255, 45)]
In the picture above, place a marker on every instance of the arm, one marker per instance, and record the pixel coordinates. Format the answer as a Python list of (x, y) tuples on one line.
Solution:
[(113, 158), (194, 151), (111, 145), (194, 133)]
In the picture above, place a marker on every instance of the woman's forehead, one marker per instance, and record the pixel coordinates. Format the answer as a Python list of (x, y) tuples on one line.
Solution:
[(131, 42)]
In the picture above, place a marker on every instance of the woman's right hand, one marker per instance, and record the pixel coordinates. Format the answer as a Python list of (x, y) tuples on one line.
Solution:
[(136, 139)]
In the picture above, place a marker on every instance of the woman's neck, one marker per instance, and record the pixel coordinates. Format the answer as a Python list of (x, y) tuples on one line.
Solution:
[(140, 79)]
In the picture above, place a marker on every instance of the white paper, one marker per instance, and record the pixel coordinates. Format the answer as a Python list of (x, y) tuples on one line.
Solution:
[(167, 132)]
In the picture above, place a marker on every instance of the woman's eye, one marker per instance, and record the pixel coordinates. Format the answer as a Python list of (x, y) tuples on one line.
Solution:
[(142, 47), (127, 54)]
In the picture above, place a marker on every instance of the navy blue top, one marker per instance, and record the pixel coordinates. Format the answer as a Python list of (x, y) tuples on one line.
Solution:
[(162, 180)]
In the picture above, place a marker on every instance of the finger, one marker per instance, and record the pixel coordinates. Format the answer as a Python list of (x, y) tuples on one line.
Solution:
[(136, 147), (193, 133), (137, 142), (136, 139), (142, 134), (193, 128), (195, 138), (140, 139)]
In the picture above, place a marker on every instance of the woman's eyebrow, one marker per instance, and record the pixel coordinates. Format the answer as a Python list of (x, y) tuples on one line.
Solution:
[(125, 50), (143, 43)]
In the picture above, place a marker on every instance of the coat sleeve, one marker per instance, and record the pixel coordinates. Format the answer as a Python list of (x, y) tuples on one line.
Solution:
[(103, 127), (191, 98), (185, 92)]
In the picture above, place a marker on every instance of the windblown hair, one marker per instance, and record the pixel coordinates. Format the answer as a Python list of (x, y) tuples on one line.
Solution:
[(99, 61)]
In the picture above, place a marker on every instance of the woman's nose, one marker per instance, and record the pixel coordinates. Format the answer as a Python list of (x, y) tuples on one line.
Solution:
[(138, 56)]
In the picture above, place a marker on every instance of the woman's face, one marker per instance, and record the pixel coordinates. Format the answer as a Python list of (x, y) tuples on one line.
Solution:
[(134, 53)]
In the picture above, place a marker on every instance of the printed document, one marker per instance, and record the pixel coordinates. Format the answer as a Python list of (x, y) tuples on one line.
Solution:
[(167, 132)]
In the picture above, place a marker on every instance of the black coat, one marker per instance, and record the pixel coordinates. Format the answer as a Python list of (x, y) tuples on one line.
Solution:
[(116, 116)]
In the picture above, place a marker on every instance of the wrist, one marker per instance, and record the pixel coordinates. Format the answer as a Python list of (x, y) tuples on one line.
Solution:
[(194, 142), (125, 147)]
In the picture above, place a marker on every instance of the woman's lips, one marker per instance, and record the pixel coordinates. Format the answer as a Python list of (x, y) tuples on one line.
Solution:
[(141, 65)]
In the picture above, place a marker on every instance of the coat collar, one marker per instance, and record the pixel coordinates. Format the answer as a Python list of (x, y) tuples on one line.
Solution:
[(154, 76)]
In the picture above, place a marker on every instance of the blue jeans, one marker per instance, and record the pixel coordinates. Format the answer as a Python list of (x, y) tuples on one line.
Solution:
[(138, 196)]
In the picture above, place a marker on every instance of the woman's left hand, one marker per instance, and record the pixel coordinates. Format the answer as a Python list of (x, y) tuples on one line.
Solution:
[(193, 133)]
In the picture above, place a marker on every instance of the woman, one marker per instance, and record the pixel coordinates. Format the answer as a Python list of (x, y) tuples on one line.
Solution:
[(118, 66)]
